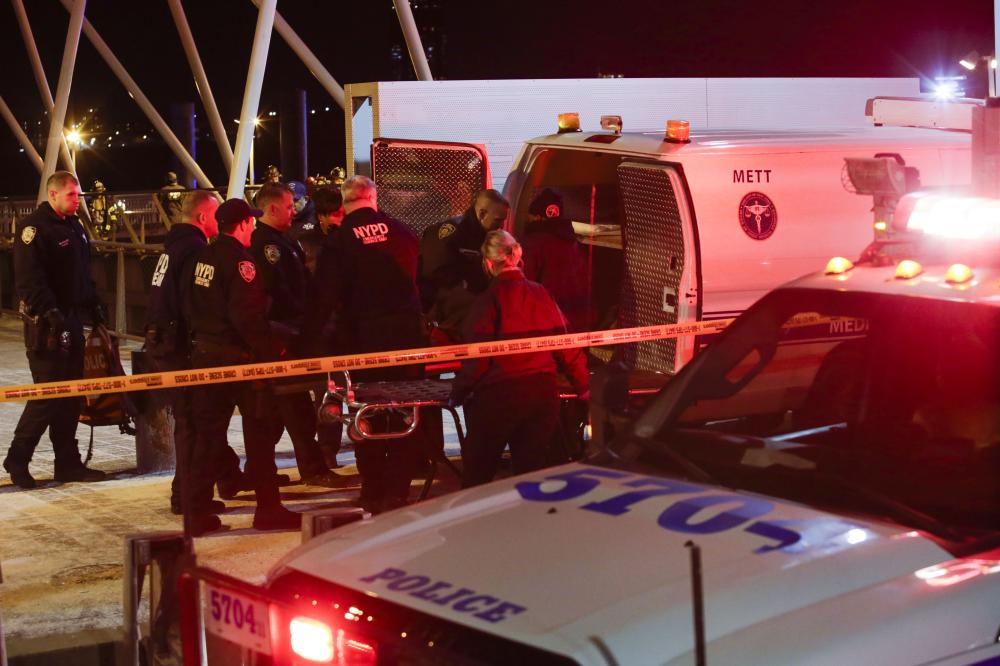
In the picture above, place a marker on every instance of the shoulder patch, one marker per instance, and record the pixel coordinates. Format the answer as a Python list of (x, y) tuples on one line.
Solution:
[(247, 271), (272, 253), (28, 235), (445, 230)]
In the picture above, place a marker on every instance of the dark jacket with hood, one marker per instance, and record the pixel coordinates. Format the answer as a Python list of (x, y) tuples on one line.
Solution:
[(168, 332), (553, 257)]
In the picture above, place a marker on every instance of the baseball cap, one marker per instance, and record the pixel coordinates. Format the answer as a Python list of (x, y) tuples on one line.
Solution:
[(235, 211), (548, 203), (297, 189)]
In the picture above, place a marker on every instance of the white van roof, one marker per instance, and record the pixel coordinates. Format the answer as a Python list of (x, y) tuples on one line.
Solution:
[(652, 144)]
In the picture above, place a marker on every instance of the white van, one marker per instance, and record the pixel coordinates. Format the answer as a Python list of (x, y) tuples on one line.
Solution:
[(678, 231)]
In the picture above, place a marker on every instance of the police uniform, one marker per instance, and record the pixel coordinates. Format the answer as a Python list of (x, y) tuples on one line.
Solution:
[(451, 272), (367, 272), (228, 309), (282, 272), (168, 346), (52, 279), (514, 399)]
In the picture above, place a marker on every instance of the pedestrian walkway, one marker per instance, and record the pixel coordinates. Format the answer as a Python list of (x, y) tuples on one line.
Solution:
[(61, 545)]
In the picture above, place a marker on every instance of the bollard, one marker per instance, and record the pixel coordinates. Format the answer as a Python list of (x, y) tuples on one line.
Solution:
[(163, 555), (315, 523), (154, 425)]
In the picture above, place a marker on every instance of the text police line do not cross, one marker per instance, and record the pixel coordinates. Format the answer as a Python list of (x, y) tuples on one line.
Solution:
[(298, 367)]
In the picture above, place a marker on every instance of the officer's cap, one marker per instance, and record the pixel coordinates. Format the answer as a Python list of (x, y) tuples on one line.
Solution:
[(235, 211), (548, 203)]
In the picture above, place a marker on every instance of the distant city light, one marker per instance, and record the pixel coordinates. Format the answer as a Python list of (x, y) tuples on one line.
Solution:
[(326, 109), (313, 111), (73, 136)]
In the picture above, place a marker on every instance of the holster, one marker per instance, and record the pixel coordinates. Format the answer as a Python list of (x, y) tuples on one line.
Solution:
[(36, 328), (205, 354), (163, 341)]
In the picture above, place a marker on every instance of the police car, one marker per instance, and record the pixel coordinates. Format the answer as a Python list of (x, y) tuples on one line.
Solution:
[(833, 457)]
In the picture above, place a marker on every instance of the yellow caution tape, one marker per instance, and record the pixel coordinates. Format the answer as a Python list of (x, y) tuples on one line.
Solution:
[(293, 368)]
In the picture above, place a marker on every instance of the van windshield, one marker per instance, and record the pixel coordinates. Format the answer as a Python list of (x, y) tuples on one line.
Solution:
[(859, 402)]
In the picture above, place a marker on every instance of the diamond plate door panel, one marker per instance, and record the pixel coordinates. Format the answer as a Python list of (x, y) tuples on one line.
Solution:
[(423, 183), (653, 242)]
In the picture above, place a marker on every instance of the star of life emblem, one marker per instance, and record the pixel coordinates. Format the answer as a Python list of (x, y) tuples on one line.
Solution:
[(247, 271), (272, 253), (758, 216)]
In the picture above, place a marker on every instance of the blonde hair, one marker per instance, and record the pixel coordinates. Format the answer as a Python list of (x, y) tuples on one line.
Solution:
[(502, 249)]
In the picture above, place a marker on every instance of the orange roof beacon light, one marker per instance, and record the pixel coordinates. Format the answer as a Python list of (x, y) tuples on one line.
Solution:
[(569, 122), (678, 131), (908, 269), (958, 274), (838, 266), (612, 123)]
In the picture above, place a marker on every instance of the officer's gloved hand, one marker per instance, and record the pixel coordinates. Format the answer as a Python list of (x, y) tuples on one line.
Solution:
[(98, 316)]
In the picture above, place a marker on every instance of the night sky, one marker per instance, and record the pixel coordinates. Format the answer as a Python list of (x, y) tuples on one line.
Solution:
[(507, 39)]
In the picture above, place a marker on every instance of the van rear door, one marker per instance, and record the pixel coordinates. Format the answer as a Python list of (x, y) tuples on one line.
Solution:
[(423, 182), (662, 281)]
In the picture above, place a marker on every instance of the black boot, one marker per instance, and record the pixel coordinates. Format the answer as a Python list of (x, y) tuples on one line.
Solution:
[(19, 474)]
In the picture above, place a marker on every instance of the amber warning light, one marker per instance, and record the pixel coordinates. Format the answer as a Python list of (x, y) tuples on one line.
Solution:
[(678, 131), (569, 122)]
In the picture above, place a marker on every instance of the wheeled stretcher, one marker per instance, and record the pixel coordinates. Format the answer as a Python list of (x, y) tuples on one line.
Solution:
[(389, 410)]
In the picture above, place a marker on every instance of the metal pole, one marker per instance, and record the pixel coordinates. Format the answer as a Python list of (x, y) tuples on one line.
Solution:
[(121, 322), (698, 603), (36, 67), (22, 138), (413, 45), (996, 44), (136, 93), (308, 58), (251, 98), (58, 116), (201, 82)]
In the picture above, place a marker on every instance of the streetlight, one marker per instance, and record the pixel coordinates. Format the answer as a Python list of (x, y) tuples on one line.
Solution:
[(972, 59), (75, 140)]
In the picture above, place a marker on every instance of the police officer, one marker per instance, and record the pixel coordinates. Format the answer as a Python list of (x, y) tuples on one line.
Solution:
[(167, 335), (450, 262), (553, 257), (367, 272), (228, 316), (53, 283), (283, 275), (172, 198)]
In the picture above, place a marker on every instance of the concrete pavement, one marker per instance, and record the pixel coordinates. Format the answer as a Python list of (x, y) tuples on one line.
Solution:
[(62, 548)]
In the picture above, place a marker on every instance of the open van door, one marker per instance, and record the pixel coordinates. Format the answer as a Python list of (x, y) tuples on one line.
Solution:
[(661, 276), (423, 182)]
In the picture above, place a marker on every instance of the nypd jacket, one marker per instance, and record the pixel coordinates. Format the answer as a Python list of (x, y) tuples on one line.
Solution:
[(553, 257), (228, 307), (52, 264), (171, 287), (514, 307), (281, 268), (366, 269)]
